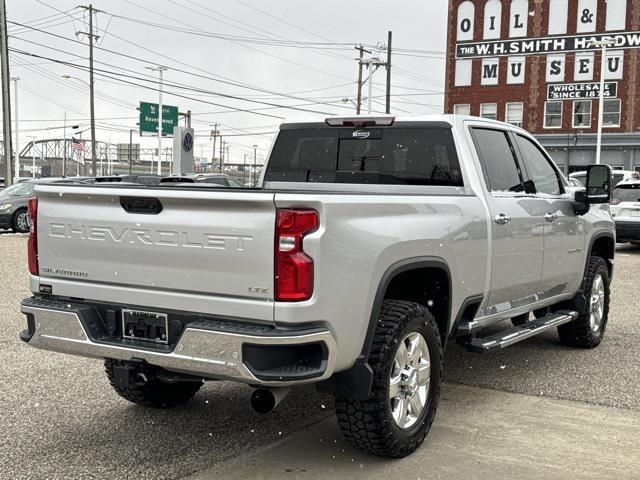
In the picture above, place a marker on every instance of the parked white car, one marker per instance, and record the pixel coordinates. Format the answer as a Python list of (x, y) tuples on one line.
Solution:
[(625, 209), (617, 175)]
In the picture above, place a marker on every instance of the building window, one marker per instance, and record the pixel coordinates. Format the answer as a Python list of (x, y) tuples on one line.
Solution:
[(463, 73), (462, 109), (611, 117), (489, 110), (553, 115), (582, 114), (515, 112)]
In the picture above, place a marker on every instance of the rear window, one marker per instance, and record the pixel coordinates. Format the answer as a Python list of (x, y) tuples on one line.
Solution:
[(398, 155), (627, 193)]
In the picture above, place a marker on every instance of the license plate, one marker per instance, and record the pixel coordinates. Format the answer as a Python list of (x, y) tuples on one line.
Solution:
[(145, 326)]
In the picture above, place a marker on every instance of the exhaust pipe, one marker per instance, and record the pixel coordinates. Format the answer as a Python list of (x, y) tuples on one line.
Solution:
[(265, 400)]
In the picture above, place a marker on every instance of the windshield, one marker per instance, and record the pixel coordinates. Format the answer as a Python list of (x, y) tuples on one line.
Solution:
[(627, 193), (18, 190), (397, 155)]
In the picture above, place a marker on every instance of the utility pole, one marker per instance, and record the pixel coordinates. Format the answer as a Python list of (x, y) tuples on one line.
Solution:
[(362, 51), (214, 134), (160, 69), (6, 96), (372, 64), (221, 153), (359, 97), (16, 169), (388, 65), (64, 147), (255, 163), (130, 147), (91, 93), (92, 109), (244, 170)]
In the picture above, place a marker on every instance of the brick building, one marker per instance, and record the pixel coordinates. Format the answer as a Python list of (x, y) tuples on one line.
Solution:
[(534, 63)]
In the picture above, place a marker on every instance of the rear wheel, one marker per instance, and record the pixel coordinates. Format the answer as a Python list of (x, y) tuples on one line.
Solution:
[(592, 304), (20, 221), (152, 392), (406, 359)]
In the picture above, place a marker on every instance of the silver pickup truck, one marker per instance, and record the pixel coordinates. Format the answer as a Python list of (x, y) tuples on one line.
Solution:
[(371, 243)]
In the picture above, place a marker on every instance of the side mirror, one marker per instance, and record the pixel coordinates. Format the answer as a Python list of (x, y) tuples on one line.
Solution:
[(598, 184), (597, 191)]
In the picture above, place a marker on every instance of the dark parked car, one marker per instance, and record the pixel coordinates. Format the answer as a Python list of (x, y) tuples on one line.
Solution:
[(210, 178), (13, 206), (13, 202), (148, 179)]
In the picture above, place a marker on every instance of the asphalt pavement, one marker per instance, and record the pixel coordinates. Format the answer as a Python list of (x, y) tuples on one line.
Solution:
[(59, 417)]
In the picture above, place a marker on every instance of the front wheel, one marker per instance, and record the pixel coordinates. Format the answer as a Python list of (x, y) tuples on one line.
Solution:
[(592, 304), (406, 359)]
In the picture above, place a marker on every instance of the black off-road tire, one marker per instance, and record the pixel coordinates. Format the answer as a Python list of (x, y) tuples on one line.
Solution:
[(579, 332), (14, 221), (154, 393), (368, 424)]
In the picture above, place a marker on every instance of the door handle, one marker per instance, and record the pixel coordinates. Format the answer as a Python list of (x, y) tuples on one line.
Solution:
[(550, 217), (502, 219)]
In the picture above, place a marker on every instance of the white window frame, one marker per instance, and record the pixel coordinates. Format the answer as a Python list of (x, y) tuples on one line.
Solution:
[(544, 124), (459, 105), (518, 123), (604, 125), (484, 105), (573, 114)]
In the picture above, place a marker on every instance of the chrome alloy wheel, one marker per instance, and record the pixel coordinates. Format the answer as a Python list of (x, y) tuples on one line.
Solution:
[(22, 222), (409, 382), (596, 308)]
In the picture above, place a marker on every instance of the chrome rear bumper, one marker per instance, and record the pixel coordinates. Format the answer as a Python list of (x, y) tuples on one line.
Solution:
[(200, 350)]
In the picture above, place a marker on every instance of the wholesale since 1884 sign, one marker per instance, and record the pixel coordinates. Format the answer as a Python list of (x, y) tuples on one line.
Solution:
[(575, 91)]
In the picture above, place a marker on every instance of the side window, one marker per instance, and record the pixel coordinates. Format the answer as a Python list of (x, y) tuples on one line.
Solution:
[(538, 167), (498, 161)]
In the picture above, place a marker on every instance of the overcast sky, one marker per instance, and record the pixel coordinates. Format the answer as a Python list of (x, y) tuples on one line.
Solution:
[(304, 49)]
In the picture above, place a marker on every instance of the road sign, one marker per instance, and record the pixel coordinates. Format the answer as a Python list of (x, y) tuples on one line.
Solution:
[(574, 91), (149, 118)]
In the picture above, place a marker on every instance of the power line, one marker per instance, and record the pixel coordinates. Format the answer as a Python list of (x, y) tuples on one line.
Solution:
[(146, 61), (174, 84), (108, 74)]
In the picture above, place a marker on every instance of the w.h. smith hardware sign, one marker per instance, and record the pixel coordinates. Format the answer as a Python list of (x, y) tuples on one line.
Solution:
[(536, 46)]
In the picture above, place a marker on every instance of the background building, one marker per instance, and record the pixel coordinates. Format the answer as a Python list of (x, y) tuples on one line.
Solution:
[(533, 63)]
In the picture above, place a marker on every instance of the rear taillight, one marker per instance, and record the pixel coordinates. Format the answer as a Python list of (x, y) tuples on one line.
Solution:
[(32, 244), (293, 268)]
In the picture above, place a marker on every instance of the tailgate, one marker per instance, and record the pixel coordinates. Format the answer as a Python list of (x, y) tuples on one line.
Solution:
[(205, 250)]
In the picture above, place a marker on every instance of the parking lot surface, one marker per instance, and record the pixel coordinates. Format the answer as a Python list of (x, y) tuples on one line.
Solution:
[(61, 419)]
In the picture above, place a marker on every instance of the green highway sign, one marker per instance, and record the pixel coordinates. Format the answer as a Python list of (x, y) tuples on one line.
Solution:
[(149, 118)]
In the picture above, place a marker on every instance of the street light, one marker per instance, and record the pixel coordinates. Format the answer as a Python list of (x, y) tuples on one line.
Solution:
[(71, 77), (603, 45), (16, 174), (160, 69)]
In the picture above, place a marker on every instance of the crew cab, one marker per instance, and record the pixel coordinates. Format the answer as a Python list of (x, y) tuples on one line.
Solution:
[(370, 244)]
